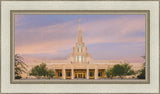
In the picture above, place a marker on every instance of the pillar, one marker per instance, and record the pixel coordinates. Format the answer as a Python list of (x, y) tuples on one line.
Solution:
[(96, 73), (64, 73), (87, 73), (72, 71)]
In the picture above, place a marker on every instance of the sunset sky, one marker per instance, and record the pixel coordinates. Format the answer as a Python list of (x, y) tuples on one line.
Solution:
[(107, 37)]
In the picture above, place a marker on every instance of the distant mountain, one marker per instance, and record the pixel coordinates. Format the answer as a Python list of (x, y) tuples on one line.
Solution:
[(36, 60)]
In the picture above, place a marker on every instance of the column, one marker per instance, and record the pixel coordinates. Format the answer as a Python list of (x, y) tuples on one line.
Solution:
[(72, 70), (64, 72), (87, 72), (96, 73)]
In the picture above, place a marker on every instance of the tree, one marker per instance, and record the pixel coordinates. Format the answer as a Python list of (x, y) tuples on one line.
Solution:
[(41, 70), (142, 74), (20, 66), (142, 71), (50, 73), (109, 73), (127, 69), (120, 70)]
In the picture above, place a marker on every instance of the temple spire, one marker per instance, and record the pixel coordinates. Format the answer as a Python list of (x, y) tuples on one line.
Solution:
[(79, 24), (80, 32)]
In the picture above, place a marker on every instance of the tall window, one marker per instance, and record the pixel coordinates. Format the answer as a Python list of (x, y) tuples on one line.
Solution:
[(80, 48), (59, 73), (76, 58), (83, 58), (68, 74), (100, 74), (91, 74), (79, 58)]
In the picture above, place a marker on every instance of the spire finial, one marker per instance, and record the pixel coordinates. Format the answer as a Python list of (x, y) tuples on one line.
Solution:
[(79, 23), (79, 20), (80, 32)]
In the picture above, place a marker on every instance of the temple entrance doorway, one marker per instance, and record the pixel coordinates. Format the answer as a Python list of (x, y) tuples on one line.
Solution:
[(91, 73), (80, 73)]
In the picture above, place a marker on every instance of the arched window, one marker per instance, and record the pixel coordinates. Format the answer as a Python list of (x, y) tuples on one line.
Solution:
[(76, 58), (83, 59), (79, 48), (79, 58)]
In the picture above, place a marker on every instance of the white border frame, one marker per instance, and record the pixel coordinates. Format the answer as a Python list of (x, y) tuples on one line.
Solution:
[(153, 87)]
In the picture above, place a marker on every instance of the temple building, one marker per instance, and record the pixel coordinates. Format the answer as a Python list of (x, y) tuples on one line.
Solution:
[(81, 65)]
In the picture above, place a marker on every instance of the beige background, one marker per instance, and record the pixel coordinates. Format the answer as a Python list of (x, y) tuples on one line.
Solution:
[(81, 88)]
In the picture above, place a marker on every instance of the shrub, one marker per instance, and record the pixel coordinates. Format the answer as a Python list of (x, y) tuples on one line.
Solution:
[(119, 70), (41, 70), (109, 73)]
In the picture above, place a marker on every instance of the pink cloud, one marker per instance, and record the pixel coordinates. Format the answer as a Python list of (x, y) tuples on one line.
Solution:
[(116, 28), (128, 24), (50, 47), (52, 39)]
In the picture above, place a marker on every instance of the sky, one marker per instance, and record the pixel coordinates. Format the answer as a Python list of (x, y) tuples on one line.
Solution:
[(107, 37)]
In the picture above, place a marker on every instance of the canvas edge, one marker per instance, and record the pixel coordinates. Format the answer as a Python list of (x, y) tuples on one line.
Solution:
[(138, 12)]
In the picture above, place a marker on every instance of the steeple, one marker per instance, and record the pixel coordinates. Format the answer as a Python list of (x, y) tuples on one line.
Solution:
[(80, 32), (80, 53)]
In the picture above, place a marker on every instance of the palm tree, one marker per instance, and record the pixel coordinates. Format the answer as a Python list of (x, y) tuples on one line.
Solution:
[(20, 66)]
